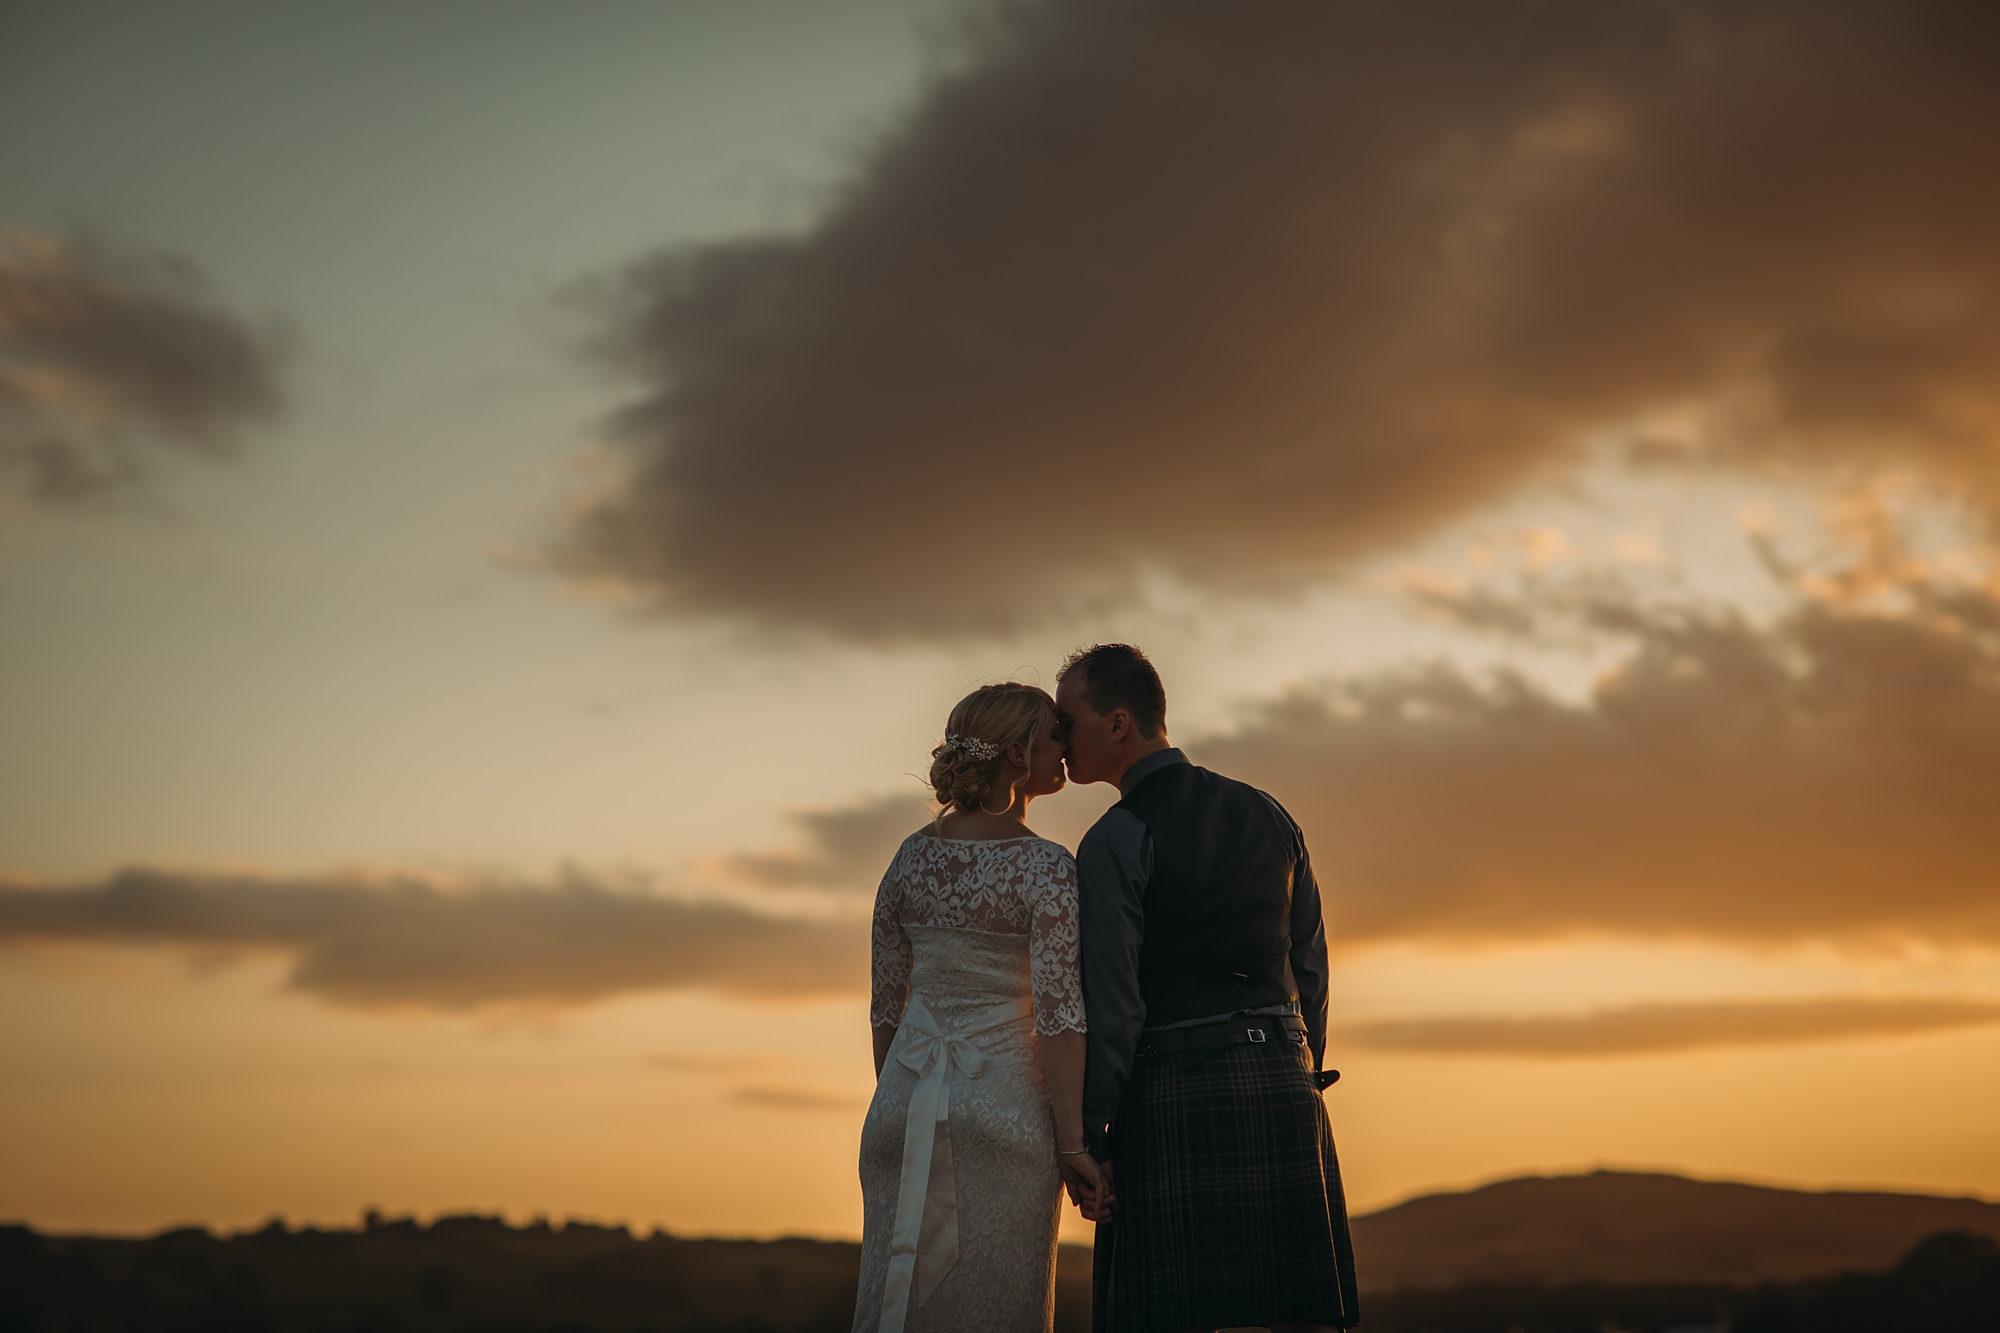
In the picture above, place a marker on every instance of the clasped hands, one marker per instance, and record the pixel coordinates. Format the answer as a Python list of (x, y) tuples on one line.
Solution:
[(1089, 1184)]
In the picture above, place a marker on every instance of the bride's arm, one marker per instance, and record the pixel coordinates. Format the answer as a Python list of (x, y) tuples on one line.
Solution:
[(886, 1034), (1062, 1066), (1059, 1026), (889, 964), (1056, 975)]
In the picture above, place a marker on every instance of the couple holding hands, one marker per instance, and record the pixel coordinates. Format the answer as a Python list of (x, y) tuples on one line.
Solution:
[(1142, 1024)]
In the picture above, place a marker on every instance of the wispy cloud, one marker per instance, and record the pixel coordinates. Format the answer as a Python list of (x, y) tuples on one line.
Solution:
[(706, 1062), (1657, 1029), (796, 1098), (768, 1087), (1301, 288), (411, 942), (845, 849), (109, 356)]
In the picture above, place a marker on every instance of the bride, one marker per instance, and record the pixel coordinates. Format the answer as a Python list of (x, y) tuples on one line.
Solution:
[(977, 1119)]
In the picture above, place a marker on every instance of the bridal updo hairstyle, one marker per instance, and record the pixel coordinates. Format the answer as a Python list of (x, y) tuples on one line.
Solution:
[(999, 715)]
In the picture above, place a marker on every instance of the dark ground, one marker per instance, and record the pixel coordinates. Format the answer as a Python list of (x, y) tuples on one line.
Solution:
[(478, 1275)]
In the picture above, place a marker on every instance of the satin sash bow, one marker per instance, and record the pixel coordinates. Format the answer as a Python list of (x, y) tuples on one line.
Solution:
[(923, 1247)]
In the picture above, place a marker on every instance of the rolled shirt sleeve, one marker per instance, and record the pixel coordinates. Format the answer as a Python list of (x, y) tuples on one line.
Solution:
[(1113, 862)]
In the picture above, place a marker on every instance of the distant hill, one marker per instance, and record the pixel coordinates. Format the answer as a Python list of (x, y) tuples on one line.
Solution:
[(1625, 1228)]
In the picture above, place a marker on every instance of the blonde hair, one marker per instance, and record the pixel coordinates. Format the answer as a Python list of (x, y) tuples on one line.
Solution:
[(1000, 715)]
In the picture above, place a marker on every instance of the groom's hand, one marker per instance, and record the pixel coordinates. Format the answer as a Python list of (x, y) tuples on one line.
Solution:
[(1089, 1187), (1084, 1180)]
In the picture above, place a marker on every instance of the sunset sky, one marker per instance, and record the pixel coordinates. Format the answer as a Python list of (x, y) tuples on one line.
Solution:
[(496, 502)]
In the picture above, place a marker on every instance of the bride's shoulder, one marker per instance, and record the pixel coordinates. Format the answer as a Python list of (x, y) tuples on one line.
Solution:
[(922, 840), (1054, 852)]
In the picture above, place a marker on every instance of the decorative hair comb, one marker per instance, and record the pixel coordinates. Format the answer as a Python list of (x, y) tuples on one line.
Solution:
[(971, 746)]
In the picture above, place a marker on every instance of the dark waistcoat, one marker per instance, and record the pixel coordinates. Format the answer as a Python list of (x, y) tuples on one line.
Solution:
[(1219, 903)]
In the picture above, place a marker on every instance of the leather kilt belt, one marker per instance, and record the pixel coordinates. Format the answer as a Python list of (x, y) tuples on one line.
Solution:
[(1186, 1046)]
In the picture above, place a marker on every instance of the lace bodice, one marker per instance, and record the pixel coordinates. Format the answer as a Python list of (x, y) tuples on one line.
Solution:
[(1018, 886)]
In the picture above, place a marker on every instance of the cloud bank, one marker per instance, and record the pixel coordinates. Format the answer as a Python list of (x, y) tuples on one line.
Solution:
[(1169, 286), (1828, 776), (1831, 776), (108, 357), (1658, 1029), (408, 942)]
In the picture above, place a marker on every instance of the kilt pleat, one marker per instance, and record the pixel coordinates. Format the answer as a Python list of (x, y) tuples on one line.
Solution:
[(1230, 1208)]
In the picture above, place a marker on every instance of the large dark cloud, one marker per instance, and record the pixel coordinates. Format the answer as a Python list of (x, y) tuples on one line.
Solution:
[(107, 356), (409, 942), (1240, 292), (1659, 1029), (1830, 776)]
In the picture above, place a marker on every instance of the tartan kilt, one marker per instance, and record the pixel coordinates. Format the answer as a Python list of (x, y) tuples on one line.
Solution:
[(1230, 1210)]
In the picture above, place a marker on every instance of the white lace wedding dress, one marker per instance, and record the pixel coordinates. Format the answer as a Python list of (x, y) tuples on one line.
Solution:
[(972, 940)]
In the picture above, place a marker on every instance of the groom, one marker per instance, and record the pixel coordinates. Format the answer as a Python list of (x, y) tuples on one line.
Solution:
[(1204, 982)]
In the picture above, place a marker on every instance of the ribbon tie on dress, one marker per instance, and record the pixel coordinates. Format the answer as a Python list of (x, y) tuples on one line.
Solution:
[(923, 1247)]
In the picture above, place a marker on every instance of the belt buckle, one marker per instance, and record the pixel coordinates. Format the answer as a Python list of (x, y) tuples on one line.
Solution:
[(1257, 1034)]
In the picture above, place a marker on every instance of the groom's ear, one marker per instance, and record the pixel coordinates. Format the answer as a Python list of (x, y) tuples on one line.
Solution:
[(1121, 725)]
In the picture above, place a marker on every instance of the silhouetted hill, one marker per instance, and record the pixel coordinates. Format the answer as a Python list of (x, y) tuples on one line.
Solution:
[(1623, 1229)]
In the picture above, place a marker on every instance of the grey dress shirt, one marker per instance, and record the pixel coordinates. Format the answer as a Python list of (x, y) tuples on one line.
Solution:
[(1114, 863)]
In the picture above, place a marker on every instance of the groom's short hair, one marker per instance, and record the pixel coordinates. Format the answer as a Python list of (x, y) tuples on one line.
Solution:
[(1117, 675)]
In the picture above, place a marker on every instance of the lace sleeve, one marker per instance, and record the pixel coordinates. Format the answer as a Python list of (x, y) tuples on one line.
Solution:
[(889, 955), (1052, 947)]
